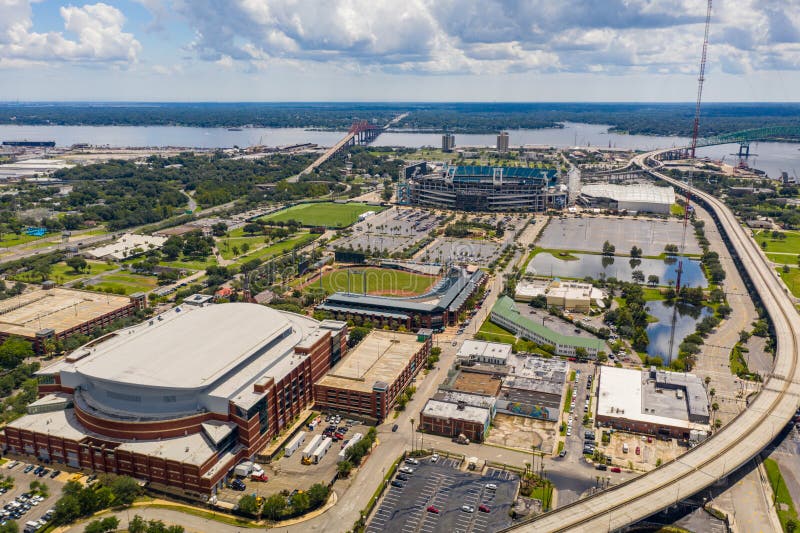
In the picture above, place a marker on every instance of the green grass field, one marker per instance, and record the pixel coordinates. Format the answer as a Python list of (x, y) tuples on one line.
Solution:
[(791, 244), (11, 239), (781, 491), (380, 281), (495, 333), (62, 273), (783, 258), (791, 279), (129, 283), (328, 214), (676, 209), (279, 248)]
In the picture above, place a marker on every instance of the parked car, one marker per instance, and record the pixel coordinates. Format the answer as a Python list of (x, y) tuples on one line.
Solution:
[(397, 484), (467, 508), (562, 453), (406, 470), (402, 477), (434, 457), (54, 474), (394, 428), (601, 467), (28, 469), (432, 509), (638, 451), (238, 484), (615, 469), (412, 461), (483, 508), (491, 486)]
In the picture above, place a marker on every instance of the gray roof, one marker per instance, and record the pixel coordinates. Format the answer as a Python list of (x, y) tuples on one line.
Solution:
[(189, 350)]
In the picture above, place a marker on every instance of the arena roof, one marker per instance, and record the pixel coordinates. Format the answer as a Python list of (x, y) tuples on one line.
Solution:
[(381, 356), (189, 351), (642, 193), (58, 309)]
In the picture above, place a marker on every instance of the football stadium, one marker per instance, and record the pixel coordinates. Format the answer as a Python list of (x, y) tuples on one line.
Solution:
[(483, 188)]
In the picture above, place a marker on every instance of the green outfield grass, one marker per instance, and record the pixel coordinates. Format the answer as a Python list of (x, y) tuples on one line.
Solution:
[(328, 214), (380, 281), (791, 244)]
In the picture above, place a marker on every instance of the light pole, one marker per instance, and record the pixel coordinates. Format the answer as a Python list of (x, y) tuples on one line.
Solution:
[(412, 434)]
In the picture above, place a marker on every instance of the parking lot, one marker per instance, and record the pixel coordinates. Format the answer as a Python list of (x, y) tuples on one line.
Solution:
[(391, 230), (469, 250), (460, 500), (589, 233), (289, 473), (22, 482)]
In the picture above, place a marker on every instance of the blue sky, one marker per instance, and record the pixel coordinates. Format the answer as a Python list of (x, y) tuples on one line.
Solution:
[(383, 50)]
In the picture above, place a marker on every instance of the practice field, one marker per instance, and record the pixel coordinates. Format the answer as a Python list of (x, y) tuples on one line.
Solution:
[(789, 244), (328, 214), (379, 281), (123, 281)]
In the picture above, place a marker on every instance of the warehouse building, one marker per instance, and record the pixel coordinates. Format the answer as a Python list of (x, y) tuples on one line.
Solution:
[(452, 419), (369, 379), (484, 188), (653, 402), (534, 387), (641, 198), (179, 400), (506, 315), (494, 353), (54, 314)]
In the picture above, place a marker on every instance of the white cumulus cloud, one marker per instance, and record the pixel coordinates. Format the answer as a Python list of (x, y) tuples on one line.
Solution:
[(98, 31)]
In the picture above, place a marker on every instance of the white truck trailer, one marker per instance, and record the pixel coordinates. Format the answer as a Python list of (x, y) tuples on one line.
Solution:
[(308, 451), (321, 450), (343, 453), (294, 444)]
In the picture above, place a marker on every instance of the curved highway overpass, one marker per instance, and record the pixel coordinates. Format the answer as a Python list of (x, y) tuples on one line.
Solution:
[(732, 446)]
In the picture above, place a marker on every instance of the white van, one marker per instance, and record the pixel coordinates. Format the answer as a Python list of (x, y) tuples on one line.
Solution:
[(624, 448)]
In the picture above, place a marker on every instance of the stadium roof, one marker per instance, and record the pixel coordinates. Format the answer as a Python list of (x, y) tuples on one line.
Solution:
[(506, 308), (643, 193), (458, 171), (189, 351)]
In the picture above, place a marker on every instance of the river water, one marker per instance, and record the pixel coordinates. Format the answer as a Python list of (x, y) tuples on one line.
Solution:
[(771, 157)]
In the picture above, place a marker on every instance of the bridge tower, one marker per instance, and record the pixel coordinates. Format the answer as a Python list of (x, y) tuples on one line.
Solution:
[(700, 81)]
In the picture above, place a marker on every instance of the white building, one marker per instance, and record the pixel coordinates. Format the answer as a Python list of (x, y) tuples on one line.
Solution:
[(494, 353), (636, 197), (128, 245)]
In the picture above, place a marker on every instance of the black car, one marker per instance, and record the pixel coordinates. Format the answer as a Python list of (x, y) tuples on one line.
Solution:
[(601, 467), (54, 474), (238, 484), (396, 483), (402, 477), (394, 427)]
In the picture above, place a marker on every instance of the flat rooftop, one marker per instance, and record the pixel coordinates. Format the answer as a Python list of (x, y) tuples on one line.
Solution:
[(58, 309), (191, 449), (381, 356), (473, 348), (192, 349), (477, 383), (451, 410), (630, 394)]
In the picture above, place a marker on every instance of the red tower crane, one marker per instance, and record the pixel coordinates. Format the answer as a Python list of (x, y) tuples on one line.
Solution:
[(700, 81)]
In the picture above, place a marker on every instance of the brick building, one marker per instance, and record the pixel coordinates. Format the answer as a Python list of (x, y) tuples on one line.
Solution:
[(369, 380), (181, 399)]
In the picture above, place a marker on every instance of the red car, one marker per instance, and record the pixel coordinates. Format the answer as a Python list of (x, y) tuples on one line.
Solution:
[(638, 450), (616, 469), (483, 509), (432, 509)]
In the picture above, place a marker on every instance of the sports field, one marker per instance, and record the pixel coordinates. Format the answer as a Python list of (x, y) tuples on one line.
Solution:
[(379, 281), (328, 214)]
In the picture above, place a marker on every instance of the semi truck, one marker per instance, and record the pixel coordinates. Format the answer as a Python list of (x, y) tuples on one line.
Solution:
[(321, 450), (294, 444), (308, 451)]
